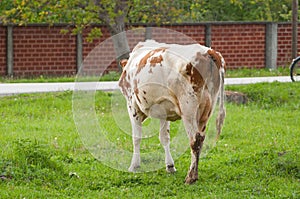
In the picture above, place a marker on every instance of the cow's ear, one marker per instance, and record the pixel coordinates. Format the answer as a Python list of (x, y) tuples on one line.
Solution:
[(123, 62)]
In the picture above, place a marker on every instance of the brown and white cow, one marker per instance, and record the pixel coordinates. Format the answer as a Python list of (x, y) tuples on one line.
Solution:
[(171, 82)]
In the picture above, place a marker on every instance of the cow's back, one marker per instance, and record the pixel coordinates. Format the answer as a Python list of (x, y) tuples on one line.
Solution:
[(159, 78)]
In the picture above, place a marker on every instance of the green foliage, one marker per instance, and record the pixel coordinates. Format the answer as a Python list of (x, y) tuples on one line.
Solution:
[(83, 14), (209, 10), (114, 13), (156, 12), (95, 33)]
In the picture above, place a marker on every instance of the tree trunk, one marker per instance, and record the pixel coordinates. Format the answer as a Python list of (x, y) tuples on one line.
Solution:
[(120, 42), (118, 32)]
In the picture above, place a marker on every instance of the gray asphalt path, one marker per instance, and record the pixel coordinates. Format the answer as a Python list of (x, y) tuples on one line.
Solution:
[(18, 88)]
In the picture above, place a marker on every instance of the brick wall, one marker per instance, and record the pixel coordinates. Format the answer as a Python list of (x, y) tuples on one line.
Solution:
[(2, 50), (43, 50), (40, 50), (242, 45), (181, 34), (285, 44), (92, 52)]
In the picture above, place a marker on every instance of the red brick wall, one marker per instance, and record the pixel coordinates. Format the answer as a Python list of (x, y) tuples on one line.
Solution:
[(181, 34), (89, 46), (93, 61), (99, 55), (2, 50), (284, 53), (40, 50), (242, 45)]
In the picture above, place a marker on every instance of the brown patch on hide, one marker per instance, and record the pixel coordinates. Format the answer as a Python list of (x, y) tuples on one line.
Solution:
[(196, 144), (188, 69), (195, 77), (124, 84), (153, 61), (216, 57), (206, 108), (156, 60)]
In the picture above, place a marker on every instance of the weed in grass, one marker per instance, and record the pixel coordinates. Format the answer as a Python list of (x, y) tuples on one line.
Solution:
[(31, 161)]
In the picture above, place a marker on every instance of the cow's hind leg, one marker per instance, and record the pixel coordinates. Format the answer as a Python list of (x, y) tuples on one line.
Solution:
[(164, 137), (196, 143), (136, 119), (195, 128)]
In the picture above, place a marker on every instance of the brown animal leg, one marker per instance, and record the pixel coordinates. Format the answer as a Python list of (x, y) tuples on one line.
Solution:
[(196, 145)]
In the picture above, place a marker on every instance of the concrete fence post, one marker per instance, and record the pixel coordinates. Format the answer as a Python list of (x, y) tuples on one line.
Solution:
[(10, 51), (271, 45), (79, 56), (148, 33), (208, 35)]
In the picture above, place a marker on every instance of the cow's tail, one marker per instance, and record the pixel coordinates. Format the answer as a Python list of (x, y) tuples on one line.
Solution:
[(222, 111)]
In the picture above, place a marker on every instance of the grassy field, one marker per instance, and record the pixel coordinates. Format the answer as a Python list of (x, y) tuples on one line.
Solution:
[(114, 76), (257, 155), (264, 72)]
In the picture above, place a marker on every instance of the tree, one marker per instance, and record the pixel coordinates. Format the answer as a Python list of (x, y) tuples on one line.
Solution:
[(112, 13), (239, 10), (116, 13)]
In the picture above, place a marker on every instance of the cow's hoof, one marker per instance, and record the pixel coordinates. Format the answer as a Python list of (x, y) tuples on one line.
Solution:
[(190, 179), (170, 169), (133, 168)]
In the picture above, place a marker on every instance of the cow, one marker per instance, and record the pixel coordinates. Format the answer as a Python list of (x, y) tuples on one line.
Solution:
[(172, 82)]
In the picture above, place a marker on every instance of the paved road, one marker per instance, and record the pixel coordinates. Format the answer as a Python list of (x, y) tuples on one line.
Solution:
[(18, 88)]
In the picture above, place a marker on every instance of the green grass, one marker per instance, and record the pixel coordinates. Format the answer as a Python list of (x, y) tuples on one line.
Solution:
[(114, 76), (246, 72), (257, 155), (111, 76)]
